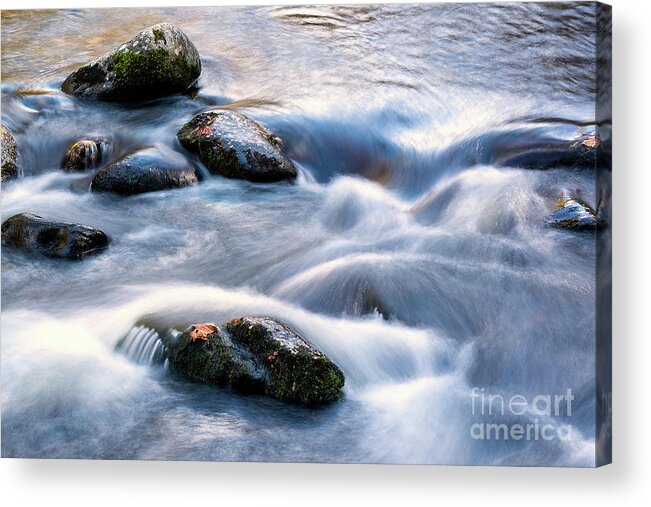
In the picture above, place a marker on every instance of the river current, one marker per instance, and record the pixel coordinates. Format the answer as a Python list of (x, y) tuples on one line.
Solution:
[(402, 252)]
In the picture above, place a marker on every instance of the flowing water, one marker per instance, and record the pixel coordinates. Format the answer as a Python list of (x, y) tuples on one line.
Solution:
[(401, 252)]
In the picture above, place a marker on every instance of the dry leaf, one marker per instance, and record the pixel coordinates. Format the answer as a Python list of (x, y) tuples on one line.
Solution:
[(200, 332), (591, 142)]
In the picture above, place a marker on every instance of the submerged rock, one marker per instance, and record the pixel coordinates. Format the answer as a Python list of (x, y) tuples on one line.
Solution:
[(9, 155), (234, 146), (578, 154), (204, 353), (158, 61), (146, 170), (575, 214), (297, 371), (84, 154), (33, 233)]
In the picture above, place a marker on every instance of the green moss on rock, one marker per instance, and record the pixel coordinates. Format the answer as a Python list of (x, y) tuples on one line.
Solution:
[(216, 360), (136, 73), (298, 372), (158, 34), (257, 354), (158, 61)]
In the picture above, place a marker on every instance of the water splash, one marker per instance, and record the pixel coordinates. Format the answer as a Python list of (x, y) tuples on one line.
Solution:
[(143, 345)]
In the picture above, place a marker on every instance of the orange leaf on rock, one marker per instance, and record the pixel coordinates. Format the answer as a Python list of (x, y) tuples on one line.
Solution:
[(200, 332), (591, 142)]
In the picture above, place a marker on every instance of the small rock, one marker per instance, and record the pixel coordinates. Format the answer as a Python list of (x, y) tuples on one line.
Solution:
[(84, 154), (146, 170), (234, 146), (297, 371), (204, 353), (30, 232), (10, 167), (575, 214), (158, 61)]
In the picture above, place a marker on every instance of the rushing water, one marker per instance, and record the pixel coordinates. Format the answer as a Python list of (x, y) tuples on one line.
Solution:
[(421, 269)]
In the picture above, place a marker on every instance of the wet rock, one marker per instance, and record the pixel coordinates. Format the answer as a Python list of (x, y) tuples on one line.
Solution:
[(84, 154), (9, 155), (158, 61), (204, 353), (146, 170), (575, 214), (256, 354), (297, 371), (33, 233), (232, 145), (578, 154)]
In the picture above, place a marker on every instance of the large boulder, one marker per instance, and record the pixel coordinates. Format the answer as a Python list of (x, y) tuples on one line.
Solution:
[(575, 214), (234, 146), (85, 153), (33, 233), (297, 371), (146, 170), (9, 155), (158, 61), (204, 353), (256, 354)]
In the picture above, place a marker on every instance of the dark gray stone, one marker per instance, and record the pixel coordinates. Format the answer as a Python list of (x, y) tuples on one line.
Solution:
[(297, 371), (33, 233), (234, 146), (577, 154), (146, 170), (10, 167), (204, 353)]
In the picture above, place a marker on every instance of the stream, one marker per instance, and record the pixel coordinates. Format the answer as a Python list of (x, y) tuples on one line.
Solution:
[(402, 252)]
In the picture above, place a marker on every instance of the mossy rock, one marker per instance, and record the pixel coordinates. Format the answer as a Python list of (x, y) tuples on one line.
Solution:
[(10, 167), (234, 146), (33, 233), (158, 61), (204, 353), (147, 170), (297, 371), (84, 154)]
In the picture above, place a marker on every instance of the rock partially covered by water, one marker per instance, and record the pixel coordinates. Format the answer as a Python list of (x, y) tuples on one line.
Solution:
[(234, 146), (146, 170), (575, 214), (297, 371), (578, 154), (9, 155), (158, 61), (204, 353), (260, 355), (33, 233), (84, 154)]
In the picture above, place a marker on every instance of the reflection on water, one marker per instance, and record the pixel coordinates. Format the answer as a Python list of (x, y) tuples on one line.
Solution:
[(402, 252)]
